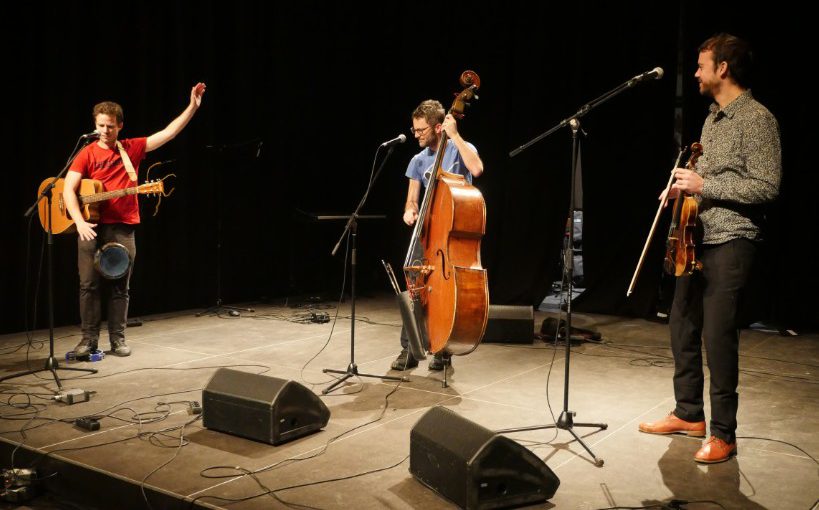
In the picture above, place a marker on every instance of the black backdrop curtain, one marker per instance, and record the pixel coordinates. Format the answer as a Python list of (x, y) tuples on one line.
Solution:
[(321, 84)]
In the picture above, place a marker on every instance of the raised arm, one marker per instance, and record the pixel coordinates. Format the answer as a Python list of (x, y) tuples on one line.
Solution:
[(160, 138), (468, 154)]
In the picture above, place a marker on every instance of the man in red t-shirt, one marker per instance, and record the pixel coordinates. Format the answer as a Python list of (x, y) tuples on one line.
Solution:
[(110, 161)]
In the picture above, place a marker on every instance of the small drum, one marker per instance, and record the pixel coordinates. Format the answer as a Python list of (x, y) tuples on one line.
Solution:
[(112, 261)]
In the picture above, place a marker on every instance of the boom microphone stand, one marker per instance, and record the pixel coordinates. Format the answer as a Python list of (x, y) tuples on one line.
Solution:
[(566, 419), (352, 229), (51, 364)]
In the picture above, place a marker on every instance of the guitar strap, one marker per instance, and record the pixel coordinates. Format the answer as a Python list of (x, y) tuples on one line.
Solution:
[(129, 167)]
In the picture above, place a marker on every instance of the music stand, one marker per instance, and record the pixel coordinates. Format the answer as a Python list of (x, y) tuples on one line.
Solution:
[(218, 308), (566, 419), (51, 364), (352, 229)]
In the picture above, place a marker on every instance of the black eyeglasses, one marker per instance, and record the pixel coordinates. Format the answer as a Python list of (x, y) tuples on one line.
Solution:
[(418, 130)]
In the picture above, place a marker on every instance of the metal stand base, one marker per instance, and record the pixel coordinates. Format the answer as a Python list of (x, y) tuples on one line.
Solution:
[(352, 371), (52, 366), (566, 422), (218, 308)]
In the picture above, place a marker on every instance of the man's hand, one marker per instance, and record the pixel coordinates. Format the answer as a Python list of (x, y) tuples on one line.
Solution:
[(688, 181), (197, 92), (450, 126), (410, 216), (672, 194), (86, 230)]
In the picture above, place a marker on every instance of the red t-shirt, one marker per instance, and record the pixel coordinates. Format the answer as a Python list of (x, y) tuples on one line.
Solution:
[(105, 165)]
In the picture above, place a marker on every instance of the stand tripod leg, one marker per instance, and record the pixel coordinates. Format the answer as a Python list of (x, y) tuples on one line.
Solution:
[(597, 462), (51, 366), (330, 388)]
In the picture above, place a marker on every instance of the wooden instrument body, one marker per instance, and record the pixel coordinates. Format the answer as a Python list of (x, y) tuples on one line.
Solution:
[(456, 291), (680, 255), (61, 222)]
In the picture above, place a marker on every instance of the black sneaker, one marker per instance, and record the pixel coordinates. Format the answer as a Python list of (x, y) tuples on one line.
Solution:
[(439, 361), (120, 348), (404, 361), (84, 348)]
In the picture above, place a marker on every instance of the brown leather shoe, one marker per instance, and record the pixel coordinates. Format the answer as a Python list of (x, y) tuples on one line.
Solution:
[(673, 425), (715, 450)]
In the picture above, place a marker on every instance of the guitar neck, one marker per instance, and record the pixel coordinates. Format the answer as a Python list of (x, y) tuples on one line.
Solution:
[(108, 195)]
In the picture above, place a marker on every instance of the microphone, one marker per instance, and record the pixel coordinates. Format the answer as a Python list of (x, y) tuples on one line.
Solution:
[(91, 135), (395, 141), (654, 74)]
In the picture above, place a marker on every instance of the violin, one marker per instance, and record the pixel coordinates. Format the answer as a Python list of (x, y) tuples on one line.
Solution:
[(680, 256)]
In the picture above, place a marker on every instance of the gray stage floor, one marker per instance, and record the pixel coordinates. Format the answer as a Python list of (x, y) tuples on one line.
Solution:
[(621, 381)]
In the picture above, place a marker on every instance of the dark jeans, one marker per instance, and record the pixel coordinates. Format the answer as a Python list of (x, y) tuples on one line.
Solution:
[(92, 283), (705, 308)]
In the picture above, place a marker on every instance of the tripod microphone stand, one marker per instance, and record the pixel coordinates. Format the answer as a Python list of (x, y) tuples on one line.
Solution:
[(352, 229), (218, 308), (51, 364), (566, 419)]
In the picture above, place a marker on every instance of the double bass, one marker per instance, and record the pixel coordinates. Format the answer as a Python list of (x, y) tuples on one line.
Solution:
[(448, 281)]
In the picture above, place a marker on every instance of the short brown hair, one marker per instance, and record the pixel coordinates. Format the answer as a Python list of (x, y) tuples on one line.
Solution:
[(735, 52), (108, 108), (430, 110)]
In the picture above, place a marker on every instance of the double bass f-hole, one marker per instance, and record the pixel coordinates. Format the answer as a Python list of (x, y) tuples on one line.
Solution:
[(447, 274)]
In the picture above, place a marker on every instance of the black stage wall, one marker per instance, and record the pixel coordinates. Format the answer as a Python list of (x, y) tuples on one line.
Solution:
[(299, 97)]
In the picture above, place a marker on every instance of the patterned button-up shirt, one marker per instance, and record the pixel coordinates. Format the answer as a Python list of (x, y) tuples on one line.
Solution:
[(741, 166)]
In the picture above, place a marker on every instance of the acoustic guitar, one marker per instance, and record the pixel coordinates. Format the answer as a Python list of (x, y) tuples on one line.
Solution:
[(90, 195)]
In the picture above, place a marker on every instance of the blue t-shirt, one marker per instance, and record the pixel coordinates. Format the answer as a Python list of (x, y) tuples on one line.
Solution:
[(420, 166)]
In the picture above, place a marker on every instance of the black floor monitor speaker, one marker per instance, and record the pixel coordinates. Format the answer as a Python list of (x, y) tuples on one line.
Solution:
[(475, 467), (510, 324), (260, 407)]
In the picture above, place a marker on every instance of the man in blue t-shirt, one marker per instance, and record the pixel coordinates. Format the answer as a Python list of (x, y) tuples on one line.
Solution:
[(429, 121)]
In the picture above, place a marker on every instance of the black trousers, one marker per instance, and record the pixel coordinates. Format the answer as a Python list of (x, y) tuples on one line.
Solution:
[(705, 308), (92, 283)]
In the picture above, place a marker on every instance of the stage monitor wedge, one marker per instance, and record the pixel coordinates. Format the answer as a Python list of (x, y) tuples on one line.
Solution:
[(474, 467), (260, 407), (510, 324)]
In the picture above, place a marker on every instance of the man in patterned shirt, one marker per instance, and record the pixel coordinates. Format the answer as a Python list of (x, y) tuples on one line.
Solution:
[(738, 173)]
